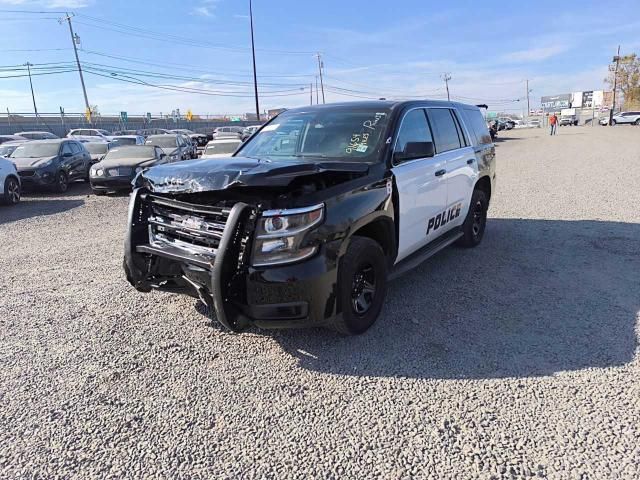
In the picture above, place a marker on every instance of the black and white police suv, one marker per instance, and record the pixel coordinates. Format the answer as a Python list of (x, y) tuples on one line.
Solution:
[(308, 220)]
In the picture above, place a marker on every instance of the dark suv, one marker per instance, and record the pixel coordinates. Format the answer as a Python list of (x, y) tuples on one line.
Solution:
[(307, 221), (51, 164)]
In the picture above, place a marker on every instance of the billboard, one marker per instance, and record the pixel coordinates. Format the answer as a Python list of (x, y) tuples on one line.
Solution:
[(587, 99), (554, 103)]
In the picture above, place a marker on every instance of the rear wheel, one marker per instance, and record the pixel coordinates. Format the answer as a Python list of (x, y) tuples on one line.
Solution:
[(637, 122), (362, 281), (62, 182), (476, 221), (11, 191)]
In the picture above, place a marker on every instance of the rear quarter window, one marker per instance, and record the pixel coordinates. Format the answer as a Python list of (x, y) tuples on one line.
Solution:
[(477, 125)]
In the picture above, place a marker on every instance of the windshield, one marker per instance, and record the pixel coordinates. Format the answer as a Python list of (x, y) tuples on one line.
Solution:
[(6, 150), (35, 150), (346, 134), (123, 141), (222, 147), (163, 141), (96, 148), (140, 151)]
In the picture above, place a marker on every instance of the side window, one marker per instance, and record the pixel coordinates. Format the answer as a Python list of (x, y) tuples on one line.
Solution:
[(75, 148), (66, 148), (445, 130), (461, 134), (477, 125), (413, 129)]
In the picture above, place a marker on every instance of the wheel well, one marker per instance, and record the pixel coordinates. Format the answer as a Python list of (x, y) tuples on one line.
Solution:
[(484, 184), (382, 232)]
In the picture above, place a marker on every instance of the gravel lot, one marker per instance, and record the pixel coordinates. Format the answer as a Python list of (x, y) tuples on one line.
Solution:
[(517, 359)]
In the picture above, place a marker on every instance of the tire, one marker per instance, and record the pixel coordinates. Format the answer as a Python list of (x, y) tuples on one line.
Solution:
[(474, 225), (362, 286), (613, 123), (62, 182), (12, 191), (637, 122)]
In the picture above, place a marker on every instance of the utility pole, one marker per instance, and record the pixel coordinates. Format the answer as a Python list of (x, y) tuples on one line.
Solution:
[(317, 92), (446, 77), (253, 53), (615, 86), (528, 104), (74, 38), (311, 93), (33, 97), (320, 67)]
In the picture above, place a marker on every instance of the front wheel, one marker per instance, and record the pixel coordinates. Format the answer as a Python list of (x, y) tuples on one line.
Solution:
[(362, 284), (613, 123), (637, 122), (476, 221), (62, 182), (11, 191)]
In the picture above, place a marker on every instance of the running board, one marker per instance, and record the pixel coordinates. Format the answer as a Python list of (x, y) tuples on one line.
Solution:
[(415, 259)]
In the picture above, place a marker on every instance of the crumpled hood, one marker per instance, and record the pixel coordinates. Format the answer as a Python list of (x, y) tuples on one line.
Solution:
[(220, 173), (30, 162)]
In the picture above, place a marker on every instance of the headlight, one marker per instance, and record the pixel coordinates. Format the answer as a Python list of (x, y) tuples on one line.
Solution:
[(173, 157), (99, 172), (279, 235)]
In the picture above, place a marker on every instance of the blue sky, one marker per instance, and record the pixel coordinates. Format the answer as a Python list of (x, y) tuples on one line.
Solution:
[(370, 48)]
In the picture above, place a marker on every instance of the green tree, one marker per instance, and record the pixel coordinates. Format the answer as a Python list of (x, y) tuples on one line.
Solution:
[(628, 87)]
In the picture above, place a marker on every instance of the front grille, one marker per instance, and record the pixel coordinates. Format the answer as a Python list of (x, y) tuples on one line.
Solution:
[(119, 172), (196, 229), (27, 173)]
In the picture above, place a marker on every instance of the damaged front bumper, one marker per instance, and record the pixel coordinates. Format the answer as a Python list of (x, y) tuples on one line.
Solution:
[(205, 252)]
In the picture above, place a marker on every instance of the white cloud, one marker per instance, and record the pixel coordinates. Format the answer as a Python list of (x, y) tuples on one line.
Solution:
[(205, 9), (535, 54)]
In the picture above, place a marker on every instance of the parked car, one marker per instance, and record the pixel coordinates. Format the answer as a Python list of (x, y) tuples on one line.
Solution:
[(535, 123), (604, 121), (199, 138), (121, 164), (507, 123), (97, 150), (7, 148), (51, 164), (222, 147), (192, 145), (173, 145), (10, 182), (122, 140), (153, 131), (10, 138), (301, 230), (120, 133), (247, 132), (89, 133), (227, 132), (632, 118), (37, 135)]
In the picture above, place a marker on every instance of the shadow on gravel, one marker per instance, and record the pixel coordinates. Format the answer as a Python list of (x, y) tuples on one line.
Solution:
[(36, 208), (536, 298)]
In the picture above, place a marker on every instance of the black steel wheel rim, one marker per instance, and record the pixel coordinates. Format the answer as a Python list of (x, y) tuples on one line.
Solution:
[(13, 191), (363, 289), (477, 218)]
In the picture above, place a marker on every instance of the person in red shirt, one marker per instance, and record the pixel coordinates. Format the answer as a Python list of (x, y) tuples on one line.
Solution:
[(553, 122)]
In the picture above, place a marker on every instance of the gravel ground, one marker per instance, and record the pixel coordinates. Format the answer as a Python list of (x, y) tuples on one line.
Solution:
[(513, 360)]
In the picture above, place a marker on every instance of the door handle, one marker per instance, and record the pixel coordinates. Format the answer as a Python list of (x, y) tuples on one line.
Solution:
[(439, 173), (470, 161)]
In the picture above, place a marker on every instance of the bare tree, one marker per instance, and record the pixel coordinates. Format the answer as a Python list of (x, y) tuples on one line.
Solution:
[(628, 80)]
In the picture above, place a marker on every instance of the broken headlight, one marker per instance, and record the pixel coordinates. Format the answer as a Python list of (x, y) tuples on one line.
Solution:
[(279, 235)]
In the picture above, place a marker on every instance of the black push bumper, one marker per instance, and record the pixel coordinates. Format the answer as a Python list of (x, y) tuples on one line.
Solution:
[(296, 295)]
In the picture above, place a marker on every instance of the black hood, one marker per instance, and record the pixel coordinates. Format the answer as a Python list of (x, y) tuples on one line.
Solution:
[(220, 173)]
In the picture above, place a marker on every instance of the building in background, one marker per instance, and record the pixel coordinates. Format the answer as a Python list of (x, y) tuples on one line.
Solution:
[(589, 105)]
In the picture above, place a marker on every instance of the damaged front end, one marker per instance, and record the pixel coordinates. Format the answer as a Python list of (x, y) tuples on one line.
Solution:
[(192, 230), (176, 246)]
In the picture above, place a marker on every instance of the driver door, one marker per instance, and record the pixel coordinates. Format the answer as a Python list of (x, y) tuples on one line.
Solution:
[(421, 183)]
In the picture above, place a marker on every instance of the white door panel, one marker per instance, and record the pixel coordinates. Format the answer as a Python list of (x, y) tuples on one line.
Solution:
[(422, 195), (461, 177)]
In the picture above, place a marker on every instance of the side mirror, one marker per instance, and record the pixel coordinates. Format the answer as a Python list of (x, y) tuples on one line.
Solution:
[(163, 155), (414, 150), (67, 154)]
